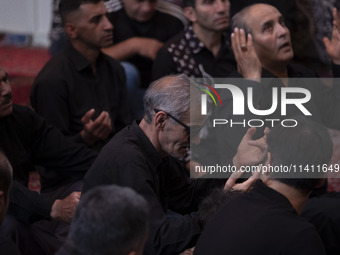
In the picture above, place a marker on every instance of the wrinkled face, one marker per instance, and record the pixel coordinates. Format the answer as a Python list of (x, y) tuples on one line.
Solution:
[(271, 37), (92, 27), (211, 15), (6, 95), (140, 10), (175, 139)]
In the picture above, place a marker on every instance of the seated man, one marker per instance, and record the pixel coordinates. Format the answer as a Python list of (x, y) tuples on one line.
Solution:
[(272, 43), (139, 31), (27, 140), (203, 49), (265, 220), (82, 91), (108, 220), (145, 156), (6, 245)]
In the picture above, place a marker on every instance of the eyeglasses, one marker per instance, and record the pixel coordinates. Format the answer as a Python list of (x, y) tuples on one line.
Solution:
[(192, 130)]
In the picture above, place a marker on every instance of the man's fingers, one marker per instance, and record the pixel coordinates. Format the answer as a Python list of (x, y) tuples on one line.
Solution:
[(243, 41), (234, 45), (101, 127), (266, 131), (249, 41), (232, 180), (259, 143), (87, 116), (250, 133), (76, 194)]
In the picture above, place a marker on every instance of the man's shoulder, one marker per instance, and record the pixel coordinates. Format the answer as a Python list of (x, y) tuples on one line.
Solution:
[(166, 18), (22, 112), (175, 40), (300, 71), (125, 146), (56, 67), (115, 65)]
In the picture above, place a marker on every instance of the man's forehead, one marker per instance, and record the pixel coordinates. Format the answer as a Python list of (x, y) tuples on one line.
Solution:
[(93, 9), (260, 14)]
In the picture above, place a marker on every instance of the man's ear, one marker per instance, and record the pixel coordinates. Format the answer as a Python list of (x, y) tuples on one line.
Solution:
[(190, 13), (159, 119), (71, 30)]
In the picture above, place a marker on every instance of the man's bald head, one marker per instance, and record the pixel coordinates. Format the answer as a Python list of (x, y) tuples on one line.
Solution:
[(271, 37)]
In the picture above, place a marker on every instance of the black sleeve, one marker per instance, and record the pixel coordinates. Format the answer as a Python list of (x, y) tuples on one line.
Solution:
[(327, 99), (49, 148), (163, 64), (167, 235), (336, 70), (49, 98), (26, 205), (123, 116), (54, 151)]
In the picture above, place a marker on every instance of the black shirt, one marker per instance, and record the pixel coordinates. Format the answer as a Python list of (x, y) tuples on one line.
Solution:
[(161, 26), (185, 53), (261, 221), (323, 212), (7, 247), (130, 159), (66, 88), (324, 105), (27, 140)]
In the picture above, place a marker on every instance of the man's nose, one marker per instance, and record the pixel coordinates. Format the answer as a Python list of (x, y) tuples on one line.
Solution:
[(107, 24), (147, 7), (282, 30), (222, 6)]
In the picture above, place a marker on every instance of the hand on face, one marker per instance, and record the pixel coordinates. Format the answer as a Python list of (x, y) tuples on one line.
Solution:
[(333, 45), (248, 64)]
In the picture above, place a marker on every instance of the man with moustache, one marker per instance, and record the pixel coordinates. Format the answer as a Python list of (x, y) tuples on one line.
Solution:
[(203, 49), (272, 44), (145, 156), (28, 141), (82, 91), (6, 245)]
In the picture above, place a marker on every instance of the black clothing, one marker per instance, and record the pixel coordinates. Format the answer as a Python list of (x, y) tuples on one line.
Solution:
[(261, 221), (161, 27), (7, 247), (323, 212), (62, 251), (27, 140), (185, 53), (65, 89), (130, 159), (323, 105)]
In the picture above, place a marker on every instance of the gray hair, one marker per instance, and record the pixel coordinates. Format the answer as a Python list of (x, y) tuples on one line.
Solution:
[(239, 20), (108, 220), (170, 94)]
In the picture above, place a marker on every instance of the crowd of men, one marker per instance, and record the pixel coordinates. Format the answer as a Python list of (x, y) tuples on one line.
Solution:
[(113, 184)]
